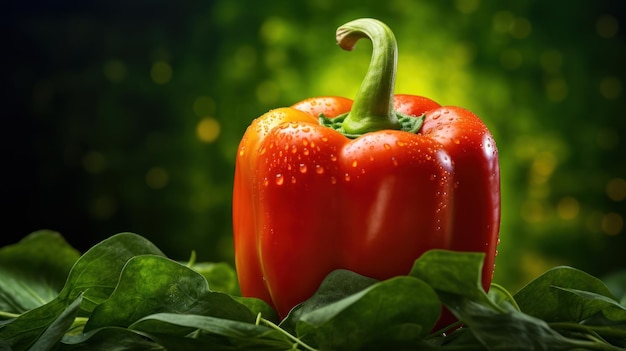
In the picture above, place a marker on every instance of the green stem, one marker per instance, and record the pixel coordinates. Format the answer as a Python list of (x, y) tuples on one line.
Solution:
[(372, 109), (281, 330)]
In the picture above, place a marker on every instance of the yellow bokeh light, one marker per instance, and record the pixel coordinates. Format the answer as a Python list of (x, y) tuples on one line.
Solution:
[(204, 106), (115, 71), (610, 88), (607, 26), (208, 130), (94, 162), (612, 223), (568, 208), (556, 89), (157, 177), (161, 72), (616, 189)]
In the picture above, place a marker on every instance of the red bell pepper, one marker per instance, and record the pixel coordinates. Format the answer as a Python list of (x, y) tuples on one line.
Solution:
[(366, 186)]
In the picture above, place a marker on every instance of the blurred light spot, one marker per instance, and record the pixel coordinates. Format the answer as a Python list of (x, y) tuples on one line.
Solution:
[(551, 61), (607, 26), (532, 211), (267, 92), (611, 88), (463, 54), (102, 208), (521, 28), (208, 129), (556, 89), (94, 162), (612, 223), (544, 164), (467, 6), (157, 177), (275, 30), (204, 106), (199, 201), (568, 208), (275, 57), (511, 59), (616, 189), (161, 72), (155, 141), (607, 138), (594, 221), (503, 21), (115, 71), (245, 57), (533, 264)]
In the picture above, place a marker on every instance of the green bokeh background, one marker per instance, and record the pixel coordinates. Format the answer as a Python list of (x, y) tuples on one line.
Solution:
[(126, 116)]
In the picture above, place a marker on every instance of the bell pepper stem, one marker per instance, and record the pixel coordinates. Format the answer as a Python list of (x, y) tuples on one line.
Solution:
[(372, 109)]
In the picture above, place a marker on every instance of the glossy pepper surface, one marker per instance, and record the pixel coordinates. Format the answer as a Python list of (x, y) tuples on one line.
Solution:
[(367, 185)]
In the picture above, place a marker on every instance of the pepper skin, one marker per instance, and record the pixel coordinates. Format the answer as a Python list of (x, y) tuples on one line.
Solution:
[(308, 199)]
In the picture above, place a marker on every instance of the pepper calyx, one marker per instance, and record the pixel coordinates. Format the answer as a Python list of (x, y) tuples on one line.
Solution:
[(410, 124)]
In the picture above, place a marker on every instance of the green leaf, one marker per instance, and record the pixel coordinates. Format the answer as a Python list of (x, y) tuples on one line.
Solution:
[(221, 276), (395, 310), (511, 329), (151, 284), (549, 297), (97, 272), (94, 274), (110, 339), (223, 334), (55, 331), (258, 306), (34, 270), (451, 272), (23, 331), (616, 282), (500, 296), (337, 285)]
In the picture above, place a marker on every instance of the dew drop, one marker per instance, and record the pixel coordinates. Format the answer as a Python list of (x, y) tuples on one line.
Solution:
[(436, 116), (333, 180), (354, 163), (319, 169), (312, 144), (306, 130), (305, 141), (265, 181), (362, 170), (305, 151), (294, 149), (242, 151), (394, 161), (387, 146), (271, 145), (324, 139), (279, 179), (371, 158), (302, 168), (456, 141), (262, 151), (293, 180), (346, 177), (400, 143), (333, 157)]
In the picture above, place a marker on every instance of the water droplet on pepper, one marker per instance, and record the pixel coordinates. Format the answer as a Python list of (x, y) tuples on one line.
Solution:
[(279, 179)]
